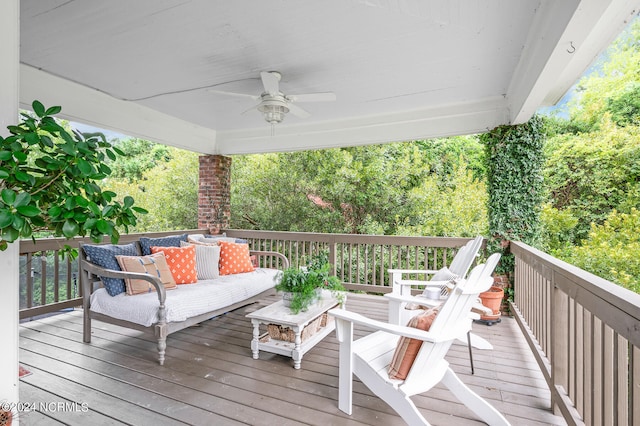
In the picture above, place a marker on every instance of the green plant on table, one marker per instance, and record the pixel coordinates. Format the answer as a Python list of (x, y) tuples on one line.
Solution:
[(305, 282)]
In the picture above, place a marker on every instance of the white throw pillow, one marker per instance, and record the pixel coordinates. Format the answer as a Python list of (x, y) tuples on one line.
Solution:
[(444, 274), (441, 278), (207, 260)]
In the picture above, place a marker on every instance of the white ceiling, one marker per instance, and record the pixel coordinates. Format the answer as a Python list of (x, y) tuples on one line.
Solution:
[(400, 69)]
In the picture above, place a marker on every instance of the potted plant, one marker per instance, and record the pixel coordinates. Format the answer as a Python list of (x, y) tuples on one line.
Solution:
[(301, 287)]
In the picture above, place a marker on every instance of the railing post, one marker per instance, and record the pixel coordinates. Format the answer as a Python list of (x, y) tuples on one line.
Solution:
[(333, 257), (559, 356)]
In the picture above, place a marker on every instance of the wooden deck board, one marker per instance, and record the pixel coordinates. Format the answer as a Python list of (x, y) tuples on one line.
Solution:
[(209, 377)]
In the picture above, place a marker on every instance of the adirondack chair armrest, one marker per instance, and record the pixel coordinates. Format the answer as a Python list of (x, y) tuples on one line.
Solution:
[(405, 286), (411, 271), (423, 301), (399, 330)]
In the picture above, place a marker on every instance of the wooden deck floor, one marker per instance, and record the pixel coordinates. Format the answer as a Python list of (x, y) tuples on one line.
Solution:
[(210, 378)]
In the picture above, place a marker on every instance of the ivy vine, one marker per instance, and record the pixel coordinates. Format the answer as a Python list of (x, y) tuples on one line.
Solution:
[(514, 160)]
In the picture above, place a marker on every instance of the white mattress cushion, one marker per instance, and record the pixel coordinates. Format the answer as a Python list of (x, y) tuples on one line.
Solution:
[(187, 300)]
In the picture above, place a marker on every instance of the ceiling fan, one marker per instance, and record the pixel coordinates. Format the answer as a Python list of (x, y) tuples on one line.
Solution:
[(274, 104)]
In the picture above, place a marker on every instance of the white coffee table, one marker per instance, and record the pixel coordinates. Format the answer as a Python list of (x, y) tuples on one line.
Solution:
[(278, 314)]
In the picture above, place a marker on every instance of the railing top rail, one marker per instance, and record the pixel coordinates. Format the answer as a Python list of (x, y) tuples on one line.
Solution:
[(42, 244), (614, 304), (446, 242)]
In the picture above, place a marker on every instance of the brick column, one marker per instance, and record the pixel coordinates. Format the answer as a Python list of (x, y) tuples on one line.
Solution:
[(214, 192)]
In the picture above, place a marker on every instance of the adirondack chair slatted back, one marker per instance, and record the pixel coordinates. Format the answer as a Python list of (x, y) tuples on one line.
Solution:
[(463, 259), (453, 320)]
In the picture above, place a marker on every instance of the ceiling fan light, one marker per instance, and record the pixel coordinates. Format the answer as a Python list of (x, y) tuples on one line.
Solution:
[(273, 114)]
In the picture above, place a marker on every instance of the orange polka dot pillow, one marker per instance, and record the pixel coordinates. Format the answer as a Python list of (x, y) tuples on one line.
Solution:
[(234, 258), (181, 261)]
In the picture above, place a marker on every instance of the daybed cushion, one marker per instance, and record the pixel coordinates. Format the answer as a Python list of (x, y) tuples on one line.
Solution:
[(234, 258), (207, 260), (154, 264), (407, 349), (170, 241), (187, 300), (181, 261), (104, 255)]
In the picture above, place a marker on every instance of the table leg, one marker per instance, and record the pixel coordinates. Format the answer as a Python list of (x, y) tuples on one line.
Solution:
[(255, 342), (296, 354)]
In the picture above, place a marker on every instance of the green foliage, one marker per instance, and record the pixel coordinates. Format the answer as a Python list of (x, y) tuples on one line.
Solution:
[(138, 156), (625, 108), (611, 250), (457, 209), (169, 191), (50, 182), (305, 282), (558, 229), (613, 83), (384, 189), (592, 173), (514, 179), (445, 156)]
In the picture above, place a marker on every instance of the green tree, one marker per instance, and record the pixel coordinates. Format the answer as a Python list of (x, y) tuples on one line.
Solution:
[(611, 250), (138, 156), (614, 80), (169, 190), (50, 182), (382, 189), (456, 210), (625, 108), (590, 174)]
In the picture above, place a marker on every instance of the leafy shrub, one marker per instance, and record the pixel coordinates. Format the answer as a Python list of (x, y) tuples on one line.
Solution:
[(611, 250), (558, 229), (50, 179), (590, 174)]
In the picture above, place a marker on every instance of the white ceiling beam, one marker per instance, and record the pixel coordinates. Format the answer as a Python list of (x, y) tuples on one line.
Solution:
[(564, 40), (458, 119), (88, 106)]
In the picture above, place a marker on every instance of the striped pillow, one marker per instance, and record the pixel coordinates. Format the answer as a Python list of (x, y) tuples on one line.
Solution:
[(407, 349), (207, 260), (154, 264)]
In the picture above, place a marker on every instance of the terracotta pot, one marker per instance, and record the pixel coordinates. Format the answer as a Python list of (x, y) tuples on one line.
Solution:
[(492, 299)]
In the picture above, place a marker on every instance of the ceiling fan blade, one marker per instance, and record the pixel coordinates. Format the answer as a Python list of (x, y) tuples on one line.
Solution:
[(250, 109), (270, 81), (236, 94), (313, 97), (297, 111)]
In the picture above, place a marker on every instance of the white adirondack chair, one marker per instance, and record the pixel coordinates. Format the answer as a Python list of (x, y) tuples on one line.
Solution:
[(369, 357), (400, 295), (459, 266)]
